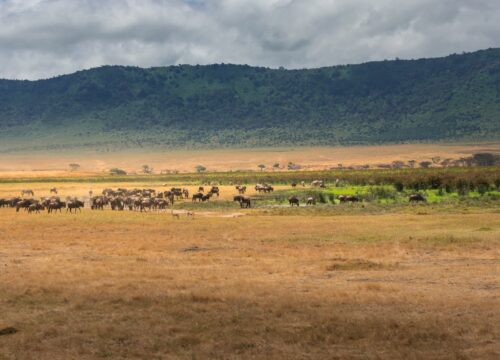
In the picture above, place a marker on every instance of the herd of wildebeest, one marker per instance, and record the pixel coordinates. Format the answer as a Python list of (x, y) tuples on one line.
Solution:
[(150, 199)]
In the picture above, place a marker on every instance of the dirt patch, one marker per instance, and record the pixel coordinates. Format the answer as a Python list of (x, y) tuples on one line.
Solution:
[(339, 264)]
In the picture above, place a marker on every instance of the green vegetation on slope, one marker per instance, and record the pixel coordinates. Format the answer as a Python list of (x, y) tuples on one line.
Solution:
[(456, 97)]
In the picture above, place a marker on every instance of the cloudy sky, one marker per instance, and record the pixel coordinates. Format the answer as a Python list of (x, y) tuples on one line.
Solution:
[(43, 38)]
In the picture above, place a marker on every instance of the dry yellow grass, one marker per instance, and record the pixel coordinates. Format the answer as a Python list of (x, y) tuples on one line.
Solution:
[(56, 163), (148, 286)]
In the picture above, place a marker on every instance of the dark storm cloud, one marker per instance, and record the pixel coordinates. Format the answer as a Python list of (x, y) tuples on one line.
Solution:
[(42, 38)]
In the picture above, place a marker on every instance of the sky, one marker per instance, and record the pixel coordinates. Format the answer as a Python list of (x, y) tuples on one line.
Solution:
[(45, 38)]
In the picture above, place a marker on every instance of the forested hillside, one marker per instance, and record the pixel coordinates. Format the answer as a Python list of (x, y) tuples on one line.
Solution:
[(451, 98)]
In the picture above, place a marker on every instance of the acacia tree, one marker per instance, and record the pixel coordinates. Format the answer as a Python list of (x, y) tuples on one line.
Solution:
[(200, 168), (261, 166), (74, 166), (146, 169)]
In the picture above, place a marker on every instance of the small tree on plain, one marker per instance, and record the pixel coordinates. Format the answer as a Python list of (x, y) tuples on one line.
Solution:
[(261, 167), (74, 166), (200, 168), (146, 169)]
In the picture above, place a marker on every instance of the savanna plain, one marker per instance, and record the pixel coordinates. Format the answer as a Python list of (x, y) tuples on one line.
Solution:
[(378, 279)]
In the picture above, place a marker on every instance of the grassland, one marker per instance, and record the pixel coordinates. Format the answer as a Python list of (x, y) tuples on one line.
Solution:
[(381, 279), (55, 163)]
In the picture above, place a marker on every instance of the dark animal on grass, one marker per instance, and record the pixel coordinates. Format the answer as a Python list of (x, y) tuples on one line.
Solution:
[(241, 189), (54, 206), (185, 192), (417, 198), (146, 204), (53, 190), (244, 201), (24, 204), (201, 189), (214, 190), (294, 184), (197, 197), (293, 201), (74, 204), (117, 204), (35, 208), (206, 197), (349, 198), (177, 192)]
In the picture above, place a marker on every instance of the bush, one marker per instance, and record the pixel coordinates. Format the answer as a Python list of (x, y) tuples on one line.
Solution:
[(482, 187), (399, 186), (462, 187), (117, 171)]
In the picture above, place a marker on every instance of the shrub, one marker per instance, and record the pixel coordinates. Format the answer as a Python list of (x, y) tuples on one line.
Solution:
[(399, 186), (462, 187)]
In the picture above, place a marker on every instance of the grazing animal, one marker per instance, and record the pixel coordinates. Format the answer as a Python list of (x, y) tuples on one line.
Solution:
[(197, 197), (214, 190), (201, 189), (417, 198), (36, 207), (190, 214), (294, 184), (349, 198), (53, 190), (318, 183), (54, 206), (244, 201), (311, 200), (74, 204), (293, 201), (264, 188), (241, 189), (27, 192)]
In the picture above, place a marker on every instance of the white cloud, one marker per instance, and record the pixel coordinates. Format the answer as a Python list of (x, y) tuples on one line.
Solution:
[(42, 38)]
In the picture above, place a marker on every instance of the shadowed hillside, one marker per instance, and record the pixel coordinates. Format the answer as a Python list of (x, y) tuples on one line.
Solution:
[(451, 98)]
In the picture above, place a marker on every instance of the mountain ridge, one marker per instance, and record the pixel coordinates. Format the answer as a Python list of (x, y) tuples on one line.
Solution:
[(224, 105)]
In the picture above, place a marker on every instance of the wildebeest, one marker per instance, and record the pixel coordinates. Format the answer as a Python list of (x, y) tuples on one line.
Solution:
[(185, 192), (24, 204), (201, 189), (55, 205), (349, 198), (74, 204), (241, 189), (197, 197), (294, 184), (117, 203), (311, 200), (317, 183), (53, 190), (206, 197), (214, 190), (294, 200), (27, 192), (244, 201), (36, 207), (417, 198), (264, 188)]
